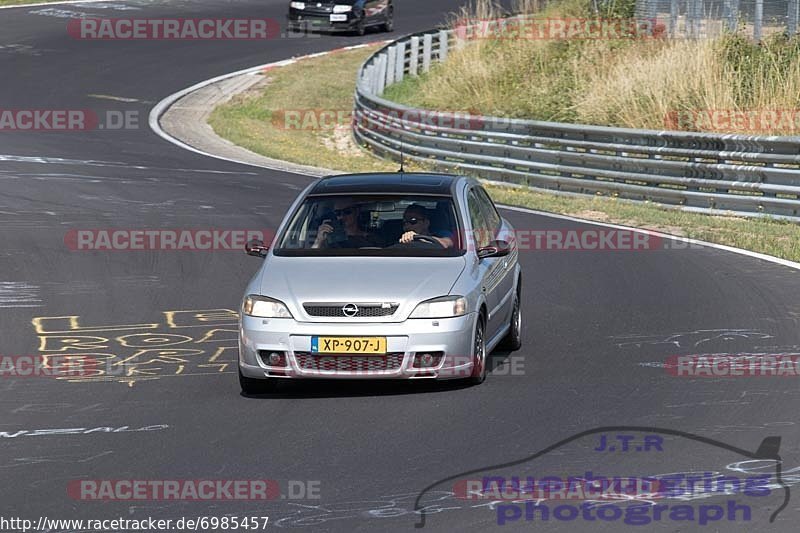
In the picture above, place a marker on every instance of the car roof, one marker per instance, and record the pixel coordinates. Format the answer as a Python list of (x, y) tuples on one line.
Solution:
[(389, 182)]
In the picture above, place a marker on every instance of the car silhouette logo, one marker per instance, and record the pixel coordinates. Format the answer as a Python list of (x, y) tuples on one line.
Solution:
[(350, 310), (767, 450)]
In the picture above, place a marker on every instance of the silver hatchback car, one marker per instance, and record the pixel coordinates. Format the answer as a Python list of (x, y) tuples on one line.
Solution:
[(382, 276)]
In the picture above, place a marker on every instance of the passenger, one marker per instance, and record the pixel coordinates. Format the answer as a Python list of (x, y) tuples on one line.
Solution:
[(417, 222), (347, 214)]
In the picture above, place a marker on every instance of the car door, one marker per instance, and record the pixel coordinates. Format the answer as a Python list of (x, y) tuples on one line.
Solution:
[(490, 268), (505, 274)]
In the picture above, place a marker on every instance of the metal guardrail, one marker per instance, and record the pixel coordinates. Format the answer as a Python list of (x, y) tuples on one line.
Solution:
[(748, 175)]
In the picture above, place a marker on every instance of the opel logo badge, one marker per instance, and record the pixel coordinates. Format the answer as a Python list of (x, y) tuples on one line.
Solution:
[(350, 310)]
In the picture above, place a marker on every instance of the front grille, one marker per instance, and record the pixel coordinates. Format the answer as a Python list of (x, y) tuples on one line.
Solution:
[(365, 310), (349, 363), (313, 10)]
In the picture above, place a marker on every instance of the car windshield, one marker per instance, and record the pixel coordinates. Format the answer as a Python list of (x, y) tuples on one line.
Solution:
[(373, 225)]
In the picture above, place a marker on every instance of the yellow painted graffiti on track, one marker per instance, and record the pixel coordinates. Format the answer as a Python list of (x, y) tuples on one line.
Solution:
[(182, 343)]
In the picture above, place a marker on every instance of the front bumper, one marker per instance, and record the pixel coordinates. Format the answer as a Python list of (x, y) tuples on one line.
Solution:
[(302, 21), (452, 336)]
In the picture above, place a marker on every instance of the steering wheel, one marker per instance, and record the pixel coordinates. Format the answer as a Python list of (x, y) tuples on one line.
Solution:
[(427, 239), (418, 241)]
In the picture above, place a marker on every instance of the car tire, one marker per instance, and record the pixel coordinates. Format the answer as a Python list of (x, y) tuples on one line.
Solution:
[(256, 386), (513, 339), (388, 26), (479, 356)]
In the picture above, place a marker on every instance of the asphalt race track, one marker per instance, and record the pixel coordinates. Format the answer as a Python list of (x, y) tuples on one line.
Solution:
[(598, 327)]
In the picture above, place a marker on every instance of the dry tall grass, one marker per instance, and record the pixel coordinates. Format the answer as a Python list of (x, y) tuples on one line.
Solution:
[(628, 83)]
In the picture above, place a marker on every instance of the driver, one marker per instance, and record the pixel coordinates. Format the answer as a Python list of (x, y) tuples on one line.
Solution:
[(417, 222)]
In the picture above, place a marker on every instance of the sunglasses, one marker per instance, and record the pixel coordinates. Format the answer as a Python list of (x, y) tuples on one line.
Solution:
[(412, 221), (346, 211)]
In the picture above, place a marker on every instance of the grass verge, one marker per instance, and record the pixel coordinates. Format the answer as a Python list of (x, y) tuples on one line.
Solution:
[(302, 113), (257, 120)]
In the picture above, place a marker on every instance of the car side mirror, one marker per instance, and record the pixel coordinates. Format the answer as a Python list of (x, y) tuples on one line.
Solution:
[(256, 248), (494, 249)]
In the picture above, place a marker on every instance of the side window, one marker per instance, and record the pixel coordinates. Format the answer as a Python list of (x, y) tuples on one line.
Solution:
[(493, 220), (480, 230)]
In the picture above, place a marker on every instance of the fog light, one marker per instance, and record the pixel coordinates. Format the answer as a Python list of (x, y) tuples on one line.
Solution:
[(273, 358), (427, 359)]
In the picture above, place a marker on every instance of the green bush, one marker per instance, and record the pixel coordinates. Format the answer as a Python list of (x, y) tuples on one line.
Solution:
[(617, 8)]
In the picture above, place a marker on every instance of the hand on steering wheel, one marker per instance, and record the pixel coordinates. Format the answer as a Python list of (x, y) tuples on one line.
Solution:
[(426, 238), (410, 237)]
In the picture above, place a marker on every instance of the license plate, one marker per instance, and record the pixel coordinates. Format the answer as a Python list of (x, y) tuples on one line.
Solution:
[(368, 345), (338, 18)]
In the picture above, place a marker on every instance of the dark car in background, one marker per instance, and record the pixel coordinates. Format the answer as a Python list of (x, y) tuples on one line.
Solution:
[(341, 15)]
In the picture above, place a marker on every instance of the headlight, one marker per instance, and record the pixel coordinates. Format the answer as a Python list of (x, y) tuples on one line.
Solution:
[(298, 5), (264, 307), (342, 9), (444, 307)]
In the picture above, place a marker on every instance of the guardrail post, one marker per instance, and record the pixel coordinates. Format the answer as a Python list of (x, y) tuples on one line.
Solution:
[(391, 65), (414, 61), (727, 15), (427, 46), (791, 19), (381, 80), (400, 65), (673, 18), (650, 9), (462, 34), (694, 12), (758, 20), (443, 42), (371, 78)]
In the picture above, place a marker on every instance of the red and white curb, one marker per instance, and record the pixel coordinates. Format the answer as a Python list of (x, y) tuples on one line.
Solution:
[(161, 107)]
